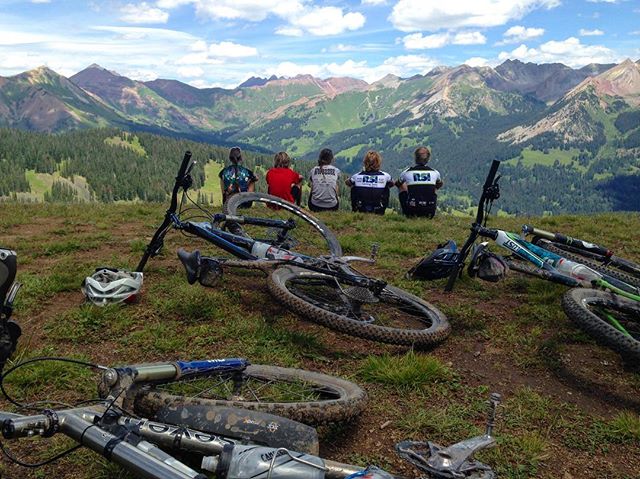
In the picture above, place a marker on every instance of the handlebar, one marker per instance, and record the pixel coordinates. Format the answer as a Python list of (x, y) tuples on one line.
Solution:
[(490, 192), (568, 241), (155, 245), (183, 171)]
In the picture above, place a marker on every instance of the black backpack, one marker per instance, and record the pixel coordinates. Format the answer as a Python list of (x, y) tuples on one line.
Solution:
[(438, 264)]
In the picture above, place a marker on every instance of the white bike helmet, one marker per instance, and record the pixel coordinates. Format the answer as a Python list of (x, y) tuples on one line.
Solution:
[(108, 286)]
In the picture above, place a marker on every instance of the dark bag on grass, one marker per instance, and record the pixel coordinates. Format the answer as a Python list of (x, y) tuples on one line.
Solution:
[(438, 264)]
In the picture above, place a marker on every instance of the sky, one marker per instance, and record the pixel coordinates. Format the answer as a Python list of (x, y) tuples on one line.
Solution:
[(221, 43)]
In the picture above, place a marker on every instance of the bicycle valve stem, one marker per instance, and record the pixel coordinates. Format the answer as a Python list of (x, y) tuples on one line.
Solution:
[(374, 250), (494, 402)]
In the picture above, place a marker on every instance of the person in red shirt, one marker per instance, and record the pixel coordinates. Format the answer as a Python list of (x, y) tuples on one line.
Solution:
[(283, 181)]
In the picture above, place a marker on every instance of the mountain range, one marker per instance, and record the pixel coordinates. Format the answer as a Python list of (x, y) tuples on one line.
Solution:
[(548, 119)]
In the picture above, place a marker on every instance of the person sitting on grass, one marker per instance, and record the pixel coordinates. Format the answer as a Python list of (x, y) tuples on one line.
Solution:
[(418, 185), (235, 178), (283, 182), (370, 187), (324, 183)]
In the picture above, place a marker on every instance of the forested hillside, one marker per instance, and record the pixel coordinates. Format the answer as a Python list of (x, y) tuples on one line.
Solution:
[(116, 165)]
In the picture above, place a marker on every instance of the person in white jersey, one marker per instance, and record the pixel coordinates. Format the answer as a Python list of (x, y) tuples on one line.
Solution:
[(418, 185), (324, 183), (370, 187)]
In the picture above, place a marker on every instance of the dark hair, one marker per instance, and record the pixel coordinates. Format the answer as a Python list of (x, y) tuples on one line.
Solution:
[(281, 160), (326, 157), (372, 161), (422, 155), (235, 154)]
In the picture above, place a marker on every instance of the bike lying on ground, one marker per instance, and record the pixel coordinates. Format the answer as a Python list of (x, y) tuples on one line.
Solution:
[(208, 434), (304, 262), (604, 302), (133, 444)]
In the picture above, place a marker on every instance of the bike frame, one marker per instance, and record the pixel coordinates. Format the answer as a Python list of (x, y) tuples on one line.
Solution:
[(240, 246), (585, 248)]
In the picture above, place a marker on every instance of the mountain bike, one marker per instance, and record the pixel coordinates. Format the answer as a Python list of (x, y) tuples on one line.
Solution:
[(139, 446), (603, 303), (304, 264), (242, 445)]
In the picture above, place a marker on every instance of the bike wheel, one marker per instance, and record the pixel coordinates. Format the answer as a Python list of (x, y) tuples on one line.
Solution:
[(590, 308), (304, 396), (310, 237), (591, 263), (394, 316)]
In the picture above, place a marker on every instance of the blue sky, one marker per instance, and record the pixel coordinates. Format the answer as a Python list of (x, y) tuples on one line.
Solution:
[(223, 42)]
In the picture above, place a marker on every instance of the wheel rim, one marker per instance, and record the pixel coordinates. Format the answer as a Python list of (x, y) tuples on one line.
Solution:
[(386, 310), (250, 388), (306, 238)]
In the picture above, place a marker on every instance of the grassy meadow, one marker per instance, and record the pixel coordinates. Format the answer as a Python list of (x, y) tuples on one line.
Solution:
[(570, 406)]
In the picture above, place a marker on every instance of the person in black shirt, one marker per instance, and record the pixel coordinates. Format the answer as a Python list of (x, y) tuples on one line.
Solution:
[(370, 187), (418, 185)]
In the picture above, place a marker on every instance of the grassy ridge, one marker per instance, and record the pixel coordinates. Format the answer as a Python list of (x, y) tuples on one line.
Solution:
[(570, 408)]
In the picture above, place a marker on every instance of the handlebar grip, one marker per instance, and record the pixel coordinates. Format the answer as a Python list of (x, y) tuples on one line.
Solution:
[(492, 173), (184, 164)]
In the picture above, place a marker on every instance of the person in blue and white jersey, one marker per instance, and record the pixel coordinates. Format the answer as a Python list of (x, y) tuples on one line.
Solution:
[(370, 187), (418, 185)]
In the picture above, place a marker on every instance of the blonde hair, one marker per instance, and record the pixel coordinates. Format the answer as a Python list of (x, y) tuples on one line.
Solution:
[(282, 160), (372, 161)]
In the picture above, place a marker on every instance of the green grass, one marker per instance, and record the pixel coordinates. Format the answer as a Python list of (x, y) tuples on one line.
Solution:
[(532, 157), (510, 337), (410, 371)]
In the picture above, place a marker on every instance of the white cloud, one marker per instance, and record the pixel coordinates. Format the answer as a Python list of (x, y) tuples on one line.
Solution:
[(40, 1), (518, 33), (301, 16), (231, 50), (416, 41), (477, 62), (374, 2), (252, 10), (469, 38), (138, 52), (590, 33), (143, 13), (289, 31), (323, 21), (570, 52), (433, 15), (190, 72), (403, 66)]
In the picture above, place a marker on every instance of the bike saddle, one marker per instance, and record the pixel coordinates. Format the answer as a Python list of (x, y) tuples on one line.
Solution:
[(206, 271), (191, 263)]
